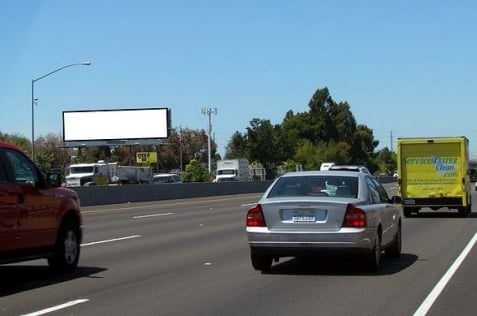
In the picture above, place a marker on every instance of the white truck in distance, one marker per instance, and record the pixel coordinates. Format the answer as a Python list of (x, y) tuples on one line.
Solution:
[(232, 170), (102, 173)]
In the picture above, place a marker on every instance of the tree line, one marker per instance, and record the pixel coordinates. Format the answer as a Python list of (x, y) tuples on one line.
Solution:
[(326, 132)]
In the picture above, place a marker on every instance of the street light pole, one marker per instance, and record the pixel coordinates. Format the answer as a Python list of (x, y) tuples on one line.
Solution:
[(85, 63), (209, 112)]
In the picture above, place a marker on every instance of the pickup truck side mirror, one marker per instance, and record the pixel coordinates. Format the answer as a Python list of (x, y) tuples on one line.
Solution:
[(53, 179)]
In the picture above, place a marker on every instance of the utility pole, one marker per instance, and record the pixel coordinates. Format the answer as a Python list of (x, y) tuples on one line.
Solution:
[(391, 132), (180, 146), (209, 112)]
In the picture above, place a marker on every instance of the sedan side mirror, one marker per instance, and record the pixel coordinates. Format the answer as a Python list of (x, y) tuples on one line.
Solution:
[(396, 199)]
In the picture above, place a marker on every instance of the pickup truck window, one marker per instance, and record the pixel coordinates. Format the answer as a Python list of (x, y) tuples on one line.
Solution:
[(23, 169), (3, 174)]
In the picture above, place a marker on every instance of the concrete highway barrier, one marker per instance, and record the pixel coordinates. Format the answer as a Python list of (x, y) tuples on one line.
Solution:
[(100, 195)]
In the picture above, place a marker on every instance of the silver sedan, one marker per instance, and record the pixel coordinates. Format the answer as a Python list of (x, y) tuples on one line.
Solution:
[(311, 212)]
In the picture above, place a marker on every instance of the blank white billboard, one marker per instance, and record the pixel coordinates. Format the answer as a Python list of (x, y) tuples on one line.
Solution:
[(116, 124)]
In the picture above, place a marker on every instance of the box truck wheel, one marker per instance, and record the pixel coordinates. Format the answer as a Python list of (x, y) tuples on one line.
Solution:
[(463, 211)]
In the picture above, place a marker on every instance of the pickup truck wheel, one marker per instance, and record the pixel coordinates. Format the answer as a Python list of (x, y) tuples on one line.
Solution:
[(67, 249), (261, 262)]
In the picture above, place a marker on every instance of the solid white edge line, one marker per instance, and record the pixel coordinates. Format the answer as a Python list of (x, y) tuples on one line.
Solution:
[(436, 291), (55, 308), (110, 240)]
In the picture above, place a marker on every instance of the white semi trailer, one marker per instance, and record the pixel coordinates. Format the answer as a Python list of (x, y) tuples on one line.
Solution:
[(106, 173)]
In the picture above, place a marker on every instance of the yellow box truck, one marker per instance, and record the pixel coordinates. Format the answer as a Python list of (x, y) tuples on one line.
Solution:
[(434, 173)]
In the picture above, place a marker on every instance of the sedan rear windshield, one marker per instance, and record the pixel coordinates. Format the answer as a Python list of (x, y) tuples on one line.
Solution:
[(336, 186)]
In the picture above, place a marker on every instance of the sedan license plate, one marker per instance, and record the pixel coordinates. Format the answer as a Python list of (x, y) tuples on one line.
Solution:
[(303, 216)]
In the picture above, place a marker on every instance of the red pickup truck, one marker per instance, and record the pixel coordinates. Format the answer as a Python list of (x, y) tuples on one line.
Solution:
[(38, 217)]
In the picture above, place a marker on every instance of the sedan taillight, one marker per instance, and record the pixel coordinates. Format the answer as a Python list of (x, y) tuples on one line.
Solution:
[(354, 217), (255, 217)]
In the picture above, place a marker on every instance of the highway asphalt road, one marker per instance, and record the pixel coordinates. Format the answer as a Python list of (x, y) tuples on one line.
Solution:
[(190, 257)]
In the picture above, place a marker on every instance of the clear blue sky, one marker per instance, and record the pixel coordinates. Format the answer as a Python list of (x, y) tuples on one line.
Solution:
[(407, 68)]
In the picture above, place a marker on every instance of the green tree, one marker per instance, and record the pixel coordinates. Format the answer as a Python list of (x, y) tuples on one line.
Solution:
[(319, 127), (338, 152), (342, 124), (236, 147), (291, 131), (84, 154), (385, 161), (308, 155), (22, 142), (262, 145), (195, 146), (195, 172), (363, 147), (328, 131), (50, 153)]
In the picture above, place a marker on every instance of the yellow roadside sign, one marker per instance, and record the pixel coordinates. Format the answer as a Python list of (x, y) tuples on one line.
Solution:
[(146, 157)]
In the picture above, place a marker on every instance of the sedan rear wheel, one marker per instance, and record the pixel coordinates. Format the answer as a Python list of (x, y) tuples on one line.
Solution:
[(261, 262), (395, 250), (373, 259)]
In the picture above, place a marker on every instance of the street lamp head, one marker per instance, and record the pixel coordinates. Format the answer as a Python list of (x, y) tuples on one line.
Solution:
[(34, 100)]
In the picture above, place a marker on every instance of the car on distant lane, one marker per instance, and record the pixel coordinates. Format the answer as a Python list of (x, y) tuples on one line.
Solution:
[(315, 212), (473, 175), (350, 168), (166, 178)]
